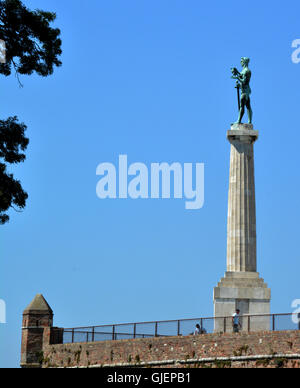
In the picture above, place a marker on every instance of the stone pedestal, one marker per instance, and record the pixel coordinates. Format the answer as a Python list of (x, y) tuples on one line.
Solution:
[(242, 287)]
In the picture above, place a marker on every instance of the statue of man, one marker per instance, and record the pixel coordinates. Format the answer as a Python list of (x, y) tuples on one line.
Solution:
[(243, 78)]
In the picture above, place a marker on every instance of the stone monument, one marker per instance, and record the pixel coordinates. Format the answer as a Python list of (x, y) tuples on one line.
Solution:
[(242, 288)]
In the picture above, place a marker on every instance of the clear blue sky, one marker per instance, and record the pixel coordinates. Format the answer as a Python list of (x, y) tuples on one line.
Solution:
[(150, 79)]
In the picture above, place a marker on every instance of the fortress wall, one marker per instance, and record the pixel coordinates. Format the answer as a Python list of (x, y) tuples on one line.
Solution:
[(259, 349)]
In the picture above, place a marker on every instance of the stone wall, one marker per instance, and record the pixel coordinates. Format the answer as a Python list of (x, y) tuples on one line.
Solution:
[(260, 349)]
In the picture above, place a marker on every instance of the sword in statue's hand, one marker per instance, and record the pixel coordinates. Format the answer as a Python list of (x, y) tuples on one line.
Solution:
[(235, 75), (237, 87)]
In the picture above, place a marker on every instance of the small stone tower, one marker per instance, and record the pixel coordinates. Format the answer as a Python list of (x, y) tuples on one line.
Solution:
[(36, 318)]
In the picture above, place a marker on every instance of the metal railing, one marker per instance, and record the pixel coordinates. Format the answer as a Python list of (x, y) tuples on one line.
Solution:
[(181, 327)]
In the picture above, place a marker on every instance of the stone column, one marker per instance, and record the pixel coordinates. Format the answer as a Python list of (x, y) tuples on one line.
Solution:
[(241, 287), (241, 223)]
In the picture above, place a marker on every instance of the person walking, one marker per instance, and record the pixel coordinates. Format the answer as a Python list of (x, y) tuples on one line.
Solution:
[(236, 324)]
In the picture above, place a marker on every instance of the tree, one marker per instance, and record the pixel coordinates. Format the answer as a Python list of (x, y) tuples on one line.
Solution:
[(12, 141), (32, 46)]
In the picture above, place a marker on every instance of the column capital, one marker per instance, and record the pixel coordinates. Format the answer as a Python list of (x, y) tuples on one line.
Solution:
[(243, 133)]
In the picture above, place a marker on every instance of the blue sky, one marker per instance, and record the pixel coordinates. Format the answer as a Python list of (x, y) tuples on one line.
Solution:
[(150, 79)]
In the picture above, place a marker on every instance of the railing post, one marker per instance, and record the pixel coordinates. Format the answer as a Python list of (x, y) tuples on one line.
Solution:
[(72, 335), (156, 329), (134, 330), (87, 336), (93, 334), (224, 325), (273, 322), (113, 332), (178, 328), (249, 323)]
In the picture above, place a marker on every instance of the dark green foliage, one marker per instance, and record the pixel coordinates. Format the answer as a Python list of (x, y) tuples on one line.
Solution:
[(12, 142), (31, 44)]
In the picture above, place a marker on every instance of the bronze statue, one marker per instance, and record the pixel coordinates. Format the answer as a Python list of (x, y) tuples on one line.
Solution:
[(243, 83)]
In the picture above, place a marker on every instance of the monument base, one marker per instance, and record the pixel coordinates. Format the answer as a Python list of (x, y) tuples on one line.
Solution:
[(247, 292)]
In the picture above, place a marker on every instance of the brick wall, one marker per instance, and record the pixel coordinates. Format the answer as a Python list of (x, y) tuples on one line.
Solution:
[(260, 349), (34, 327)]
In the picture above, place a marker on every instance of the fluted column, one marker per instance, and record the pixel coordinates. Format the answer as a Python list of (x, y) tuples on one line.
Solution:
[(241, 287), (241, 223)]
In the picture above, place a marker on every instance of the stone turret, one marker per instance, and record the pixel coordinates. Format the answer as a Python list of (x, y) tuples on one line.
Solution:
[(37, 318)]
